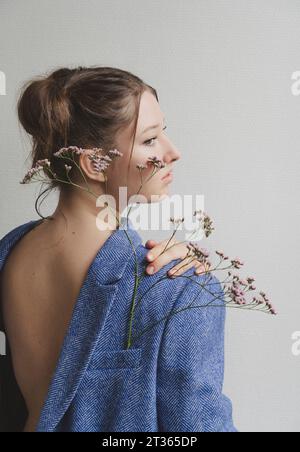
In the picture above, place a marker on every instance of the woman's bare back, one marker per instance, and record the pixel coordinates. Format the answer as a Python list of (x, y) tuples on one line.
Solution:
[(40, 283)]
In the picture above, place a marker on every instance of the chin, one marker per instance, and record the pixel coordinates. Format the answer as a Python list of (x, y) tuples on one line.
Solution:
[(155, 197)]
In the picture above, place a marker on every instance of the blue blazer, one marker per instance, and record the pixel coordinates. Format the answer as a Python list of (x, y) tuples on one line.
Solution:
[(171, 378)]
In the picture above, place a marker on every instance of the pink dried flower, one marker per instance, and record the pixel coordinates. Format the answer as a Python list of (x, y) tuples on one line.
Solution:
[(141, 167), (243, 282), (100, 165), (222, 255), (156, 162), (39, 165), (240, 301), (66, 151), (199, 213), (207, 226), (102, 162), (177, 220), (107, 158), (237, 263), (113, 153), (203, 218), (200, 253)]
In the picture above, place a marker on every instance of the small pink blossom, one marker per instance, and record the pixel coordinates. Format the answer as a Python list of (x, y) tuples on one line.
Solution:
[(200, 253), (177, 220), (68, 168), (102, 162), (39, 165), (65, 152), (113, 153), (156, 162), (237, 263), (141, 167)]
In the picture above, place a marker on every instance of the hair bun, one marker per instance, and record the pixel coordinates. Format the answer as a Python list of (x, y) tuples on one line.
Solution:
[(60, 76)]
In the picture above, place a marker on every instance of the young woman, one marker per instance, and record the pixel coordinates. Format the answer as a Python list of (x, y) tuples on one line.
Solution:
[(66, 286)]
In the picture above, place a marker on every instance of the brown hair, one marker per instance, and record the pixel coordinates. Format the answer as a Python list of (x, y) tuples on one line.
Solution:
[(84, 107)]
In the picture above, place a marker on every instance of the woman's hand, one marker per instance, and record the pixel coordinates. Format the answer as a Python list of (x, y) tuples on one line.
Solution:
[(175, 250)]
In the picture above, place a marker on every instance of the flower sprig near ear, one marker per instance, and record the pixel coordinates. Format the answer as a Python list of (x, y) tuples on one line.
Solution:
[(100, 162), (40, 165), (68, 151)]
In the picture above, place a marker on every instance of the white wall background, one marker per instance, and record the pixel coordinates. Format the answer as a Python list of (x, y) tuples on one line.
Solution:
[(223, 73)]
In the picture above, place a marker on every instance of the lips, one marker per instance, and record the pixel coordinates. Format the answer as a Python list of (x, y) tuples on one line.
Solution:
[(168, 174)]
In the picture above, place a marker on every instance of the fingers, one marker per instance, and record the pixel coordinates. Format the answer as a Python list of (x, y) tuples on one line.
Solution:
[(150, 244), (158, 248), (159, 259)]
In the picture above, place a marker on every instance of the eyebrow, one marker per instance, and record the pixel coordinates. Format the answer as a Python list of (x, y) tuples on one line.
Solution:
[(151, 127)]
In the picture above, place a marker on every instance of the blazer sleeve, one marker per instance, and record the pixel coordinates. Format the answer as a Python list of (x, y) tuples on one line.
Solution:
[(191, 363)]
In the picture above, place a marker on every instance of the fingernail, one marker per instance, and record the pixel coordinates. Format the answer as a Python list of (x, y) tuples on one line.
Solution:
[(171, 272), (150, 257), (150, 270)]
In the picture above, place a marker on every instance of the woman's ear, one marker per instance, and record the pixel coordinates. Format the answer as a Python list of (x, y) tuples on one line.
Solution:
[(88, 169)]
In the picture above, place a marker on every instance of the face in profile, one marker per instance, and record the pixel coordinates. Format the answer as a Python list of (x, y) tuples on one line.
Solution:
[(151, 140)]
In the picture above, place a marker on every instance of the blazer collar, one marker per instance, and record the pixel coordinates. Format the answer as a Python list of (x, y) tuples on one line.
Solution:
[(91, 309)]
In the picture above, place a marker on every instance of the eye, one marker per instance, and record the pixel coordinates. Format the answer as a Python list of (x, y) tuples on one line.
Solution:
[(149, 142)]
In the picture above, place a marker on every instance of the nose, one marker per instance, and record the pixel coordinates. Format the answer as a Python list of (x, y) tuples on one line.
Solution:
[(172, 154)]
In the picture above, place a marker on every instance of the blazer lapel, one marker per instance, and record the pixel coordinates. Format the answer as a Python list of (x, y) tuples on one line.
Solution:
[(89, 317)]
